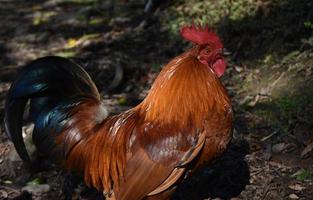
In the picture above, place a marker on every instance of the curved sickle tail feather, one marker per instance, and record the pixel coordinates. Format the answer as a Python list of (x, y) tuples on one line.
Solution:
[(51, 84)]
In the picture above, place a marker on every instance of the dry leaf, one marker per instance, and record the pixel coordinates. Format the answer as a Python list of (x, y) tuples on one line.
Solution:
[(238, 69), (293, 196), (72, 42), (307, 150), (3, 194), (296, 187)]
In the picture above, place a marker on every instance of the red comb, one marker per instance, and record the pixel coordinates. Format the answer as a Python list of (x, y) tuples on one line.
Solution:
[(200, 35)]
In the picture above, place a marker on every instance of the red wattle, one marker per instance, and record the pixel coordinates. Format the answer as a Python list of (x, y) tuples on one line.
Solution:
[(219, 67)]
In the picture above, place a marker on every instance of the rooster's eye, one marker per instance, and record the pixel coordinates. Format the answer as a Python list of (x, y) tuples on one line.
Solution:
[(207, 51)]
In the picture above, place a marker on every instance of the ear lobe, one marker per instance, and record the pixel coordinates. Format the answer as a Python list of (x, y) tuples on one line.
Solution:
[(219, 67)]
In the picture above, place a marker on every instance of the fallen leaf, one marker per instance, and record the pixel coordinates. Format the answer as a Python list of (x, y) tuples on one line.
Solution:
[(296, 187), (72, 42), (308, 149), (3, 194), (290, 148), (238, 69), (293, 196)]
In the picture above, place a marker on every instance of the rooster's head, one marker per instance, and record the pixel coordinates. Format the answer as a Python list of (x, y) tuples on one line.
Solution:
[(209, 45)]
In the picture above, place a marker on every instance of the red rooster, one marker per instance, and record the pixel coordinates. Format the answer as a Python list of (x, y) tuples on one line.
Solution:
[(184, 122)]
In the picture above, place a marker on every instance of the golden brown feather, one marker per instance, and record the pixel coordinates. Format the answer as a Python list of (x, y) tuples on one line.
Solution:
[(184, 122), (158, 137)]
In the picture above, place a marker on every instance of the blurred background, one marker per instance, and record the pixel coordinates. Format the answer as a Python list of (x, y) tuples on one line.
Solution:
[(124, 43)]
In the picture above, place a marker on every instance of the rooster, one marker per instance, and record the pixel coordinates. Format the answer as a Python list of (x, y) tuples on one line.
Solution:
[(143, 153)]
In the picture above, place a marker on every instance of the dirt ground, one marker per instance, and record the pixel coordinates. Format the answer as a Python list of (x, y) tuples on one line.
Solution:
[(123, 49)]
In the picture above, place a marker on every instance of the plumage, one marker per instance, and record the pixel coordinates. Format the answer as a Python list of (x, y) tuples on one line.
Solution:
[(184, 122)]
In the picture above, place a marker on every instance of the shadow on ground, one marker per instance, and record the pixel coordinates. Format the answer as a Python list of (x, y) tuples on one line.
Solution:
[(225, 179)]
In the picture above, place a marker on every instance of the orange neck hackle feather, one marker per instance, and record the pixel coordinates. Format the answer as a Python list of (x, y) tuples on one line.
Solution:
[(184, 92)]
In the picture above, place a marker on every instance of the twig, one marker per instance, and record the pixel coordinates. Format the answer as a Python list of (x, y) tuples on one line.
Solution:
[(277, 80), (269, 136)]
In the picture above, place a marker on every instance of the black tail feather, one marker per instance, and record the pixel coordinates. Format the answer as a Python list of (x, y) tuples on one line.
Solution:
[(13, 122), (46, 82)]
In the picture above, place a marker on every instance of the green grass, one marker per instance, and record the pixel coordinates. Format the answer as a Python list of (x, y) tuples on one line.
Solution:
[(207, 12), (66, 54)]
